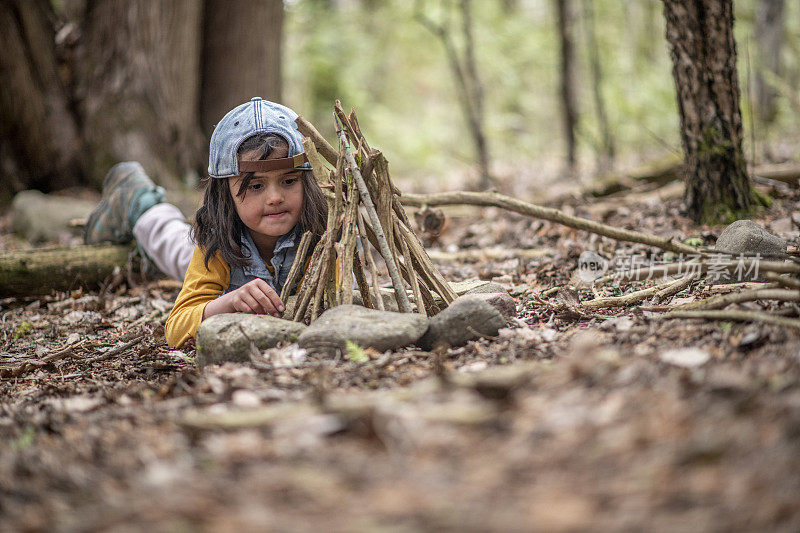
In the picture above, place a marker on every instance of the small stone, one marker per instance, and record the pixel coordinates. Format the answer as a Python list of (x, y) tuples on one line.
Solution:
[(227, 337), (468, 317), (747, 237), (475, 286), (500, 301), (369, 328), (686, 357)]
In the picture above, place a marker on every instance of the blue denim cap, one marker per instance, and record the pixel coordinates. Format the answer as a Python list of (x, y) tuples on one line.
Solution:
[(244, 121)]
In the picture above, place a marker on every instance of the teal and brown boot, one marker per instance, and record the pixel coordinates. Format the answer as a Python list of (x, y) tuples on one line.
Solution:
[(127, 193)]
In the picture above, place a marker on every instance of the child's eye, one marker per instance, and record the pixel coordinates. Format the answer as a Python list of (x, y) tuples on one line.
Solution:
[(255, 186), (290, 181)]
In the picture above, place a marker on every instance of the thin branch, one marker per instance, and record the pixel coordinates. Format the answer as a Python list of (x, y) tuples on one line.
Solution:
[(494, 199), (738, 316), (397, 281)]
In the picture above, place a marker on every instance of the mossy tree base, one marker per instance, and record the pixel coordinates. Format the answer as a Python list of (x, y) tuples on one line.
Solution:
[(700, 34)]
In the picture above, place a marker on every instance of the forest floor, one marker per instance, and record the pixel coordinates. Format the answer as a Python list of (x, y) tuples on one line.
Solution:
[(560, 423)]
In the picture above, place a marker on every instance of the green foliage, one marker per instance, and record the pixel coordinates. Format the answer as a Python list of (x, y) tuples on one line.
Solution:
[(395, 73), (374, 56), (22, 330), (25, 440), (355, 353), (693, 241)]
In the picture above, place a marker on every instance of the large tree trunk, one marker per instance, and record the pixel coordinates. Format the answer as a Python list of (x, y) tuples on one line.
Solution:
[(700, 34), (139, 82), (38, 131), (769, 38), (241, 55), (565, 15)]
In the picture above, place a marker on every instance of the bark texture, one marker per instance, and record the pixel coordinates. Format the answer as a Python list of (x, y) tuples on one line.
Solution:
[(236, 69), (139, 75), (36, 121), (43, 271), (700, 35), (565, 16)]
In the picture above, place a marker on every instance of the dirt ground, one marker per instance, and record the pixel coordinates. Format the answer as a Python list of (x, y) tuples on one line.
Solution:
[(560, 423)]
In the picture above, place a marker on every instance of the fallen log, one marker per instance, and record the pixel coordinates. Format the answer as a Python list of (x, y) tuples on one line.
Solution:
[(45, 270)]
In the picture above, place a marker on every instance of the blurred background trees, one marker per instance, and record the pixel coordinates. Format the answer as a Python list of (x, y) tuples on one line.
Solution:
[(85, 83)]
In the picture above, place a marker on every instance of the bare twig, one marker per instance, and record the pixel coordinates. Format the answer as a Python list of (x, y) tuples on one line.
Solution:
[(789, 283), (723, 300), (115, 351), (323, 146), (738, 316), (298, 265), (636, 296), (493, 199), (402, 297)]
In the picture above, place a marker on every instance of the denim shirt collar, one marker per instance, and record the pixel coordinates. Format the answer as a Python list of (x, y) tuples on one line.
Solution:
[(256, 265)]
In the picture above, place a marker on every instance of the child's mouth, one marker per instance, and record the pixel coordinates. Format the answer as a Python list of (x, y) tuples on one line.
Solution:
[(276, 215)]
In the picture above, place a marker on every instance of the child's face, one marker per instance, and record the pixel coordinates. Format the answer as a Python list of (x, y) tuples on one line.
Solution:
[(273, 201)]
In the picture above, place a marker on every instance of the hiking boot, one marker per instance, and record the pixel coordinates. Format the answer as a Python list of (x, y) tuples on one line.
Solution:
[(127, 193)]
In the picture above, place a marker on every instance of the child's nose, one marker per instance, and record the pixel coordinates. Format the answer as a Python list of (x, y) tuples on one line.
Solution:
[(274, 195)]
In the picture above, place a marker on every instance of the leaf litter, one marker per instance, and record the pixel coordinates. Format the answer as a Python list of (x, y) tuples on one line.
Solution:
[(572, 418)]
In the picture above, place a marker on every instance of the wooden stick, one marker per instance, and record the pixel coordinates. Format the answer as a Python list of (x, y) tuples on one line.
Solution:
[(430, 274), (297, 265), (312, 278), (347, 245), (371, 262), (675, 288), (789, 283), (627, 299), (323, 146), (402, 297), (722, 300), (739, 316), (547, 213), (115, 351), (317, 166), (412, 277), (361, 281)]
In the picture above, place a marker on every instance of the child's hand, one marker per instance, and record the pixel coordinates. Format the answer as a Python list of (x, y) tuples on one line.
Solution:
[(255, 297)]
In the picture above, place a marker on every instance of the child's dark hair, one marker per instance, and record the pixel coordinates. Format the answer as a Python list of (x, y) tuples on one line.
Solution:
[(217, 226)]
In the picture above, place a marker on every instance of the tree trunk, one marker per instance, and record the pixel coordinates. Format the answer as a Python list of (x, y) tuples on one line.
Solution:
[(38, 130), (769, 39), (607, 149), (139, 86), (241, 55), (700, 34), (568, 104)]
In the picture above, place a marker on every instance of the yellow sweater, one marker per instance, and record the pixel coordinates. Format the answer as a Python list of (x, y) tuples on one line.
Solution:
[(200, 286)]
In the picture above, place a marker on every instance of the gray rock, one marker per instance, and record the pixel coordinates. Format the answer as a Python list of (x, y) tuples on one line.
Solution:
[(467, 318), (224, 337), (40, 217), (747, 237), (476, 286), (369, 328), (500, 301)]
